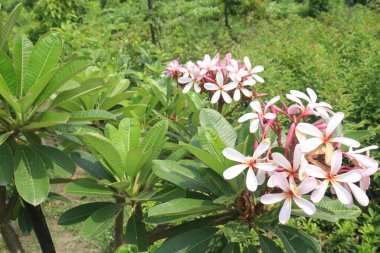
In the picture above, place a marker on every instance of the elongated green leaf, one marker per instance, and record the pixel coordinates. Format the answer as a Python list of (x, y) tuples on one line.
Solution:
[(6, 94), (136, 232), (91, 115), (194, 241), (105, 148), (4, 137), (48, 119), (205, 157), (81, 213), (44, 57), (100, 221), (88, 163), (87, 188), (64, 74), (63, 165), (22, 49), (7, 28), (113, 135), (135, 161), (216, 183), (212, 119), (76, 130), (183, 206), (268, 246), (8, 73), (129, 130), (211, 142), (6, 165), (31, 179), (154, 136), (185, 177), (296, 241), (88, 87), (111, 102)]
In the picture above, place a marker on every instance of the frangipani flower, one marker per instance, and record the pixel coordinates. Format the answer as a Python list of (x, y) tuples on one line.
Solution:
[(193, 80), (330, 175), (236, 72), (258, 112), (241, 88), (188, 69), (208, 65), (325, 138), (251, 163), (253, 71), (289, 195), (220, 89)]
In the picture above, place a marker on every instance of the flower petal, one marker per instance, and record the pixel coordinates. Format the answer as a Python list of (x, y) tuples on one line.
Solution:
[(365, 161), (211, 86), (230, 86), (310, 144), (312, 95), (305, 205), (233, 155), (346, 141), (254, 126), (251, 180), (258, 69), (319, 192), (260, 176), (352, 176), (315, 171), (246, 92), (197, 88), (247, 116), (359, 194), (215, 97), (269, 116), (234, 171), (343, 194), (334, 122), (227, 98), (285, 211), (258, 78), (247, 63), (307, 185), (309, 129), (265, 166), (281, 181), (219, 78), (187, 88), (237, 95), (272, 198), (271, 102), (262, 148), (336, 161), (184, 80), (256, 106), (300, 95), (281, 160)]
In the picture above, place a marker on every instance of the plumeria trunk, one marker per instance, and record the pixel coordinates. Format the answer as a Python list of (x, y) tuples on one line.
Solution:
[(9, 235), (226, 23), (151, 21), (119, 224), (40, 227)]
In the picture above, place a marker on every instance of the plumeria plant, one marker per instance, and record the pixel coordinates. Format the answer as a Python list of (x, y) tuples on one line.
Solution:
[(283, 157)]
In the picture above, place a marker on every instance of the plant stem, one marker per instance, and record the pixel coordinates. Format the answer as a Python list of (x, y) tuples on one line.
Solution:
[(220, 105), (119, 225), (40, 227)]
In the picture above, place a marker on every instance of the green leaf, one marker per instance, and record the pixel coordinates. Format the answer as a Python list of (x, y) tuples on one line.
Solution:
[(331, 210), (129, 130), (63, 165), (87, 188), (184, 207), (194, 241), (8, 73), (136, 232), (89, 86), (99, 221), (205, 157), (184, 176), (44, 57), (6, 94), (217, 184), (22, 49), (135, 161), (48, 119), (111, 102), (112, 134), (6, 165), (81, 213), (4, 137), (88, 163), (268, 246), (296, 240), (7, 28), (64, 74), (212, 119), (91, 115), (31, 179)]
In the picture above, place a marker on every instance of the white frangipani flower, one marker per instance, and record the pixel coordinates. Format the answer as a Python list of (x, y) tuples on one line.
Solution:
[(251, 163), (253, 71), (209, 65), (241, 87), (236, 72), (188, 69), (258, 112), (193, 80), (220, 89)]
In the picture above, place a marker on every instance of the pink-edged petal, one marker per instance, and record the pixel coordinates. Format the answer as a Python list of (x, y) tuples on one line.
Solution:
[(285, 211), (369, 172), (187, 88), (234, 155), (294, 99), (281, 160), (265, 166), (311, 144), (346, 141), (324, 104), (256, 106), (230, 86), (364, 149), (281, 181), (305, 205), (237, 95), (258, 78), (247, 116), (234, 171), (300, 95), (319, 192), (312, 95), (272, 198), (315, 171), (343, 194), (297, 157), (251, 180), (211, 86), (365, 182), (309, 129), (365, 161), (254, 126), (219, 78), (271, 102), (247, 63), (262, 148), (269, 116), (293, 109), (336, 161), (260, 176), (184, 80), (352, 177), (334, 122), (359, 194), (308, 185), (215, 98), (227, 98), (258, 69)]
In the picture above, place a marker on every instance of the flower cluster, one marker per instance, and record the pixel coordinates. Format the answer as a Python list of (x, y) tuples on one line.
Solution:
[(316, 155), (222, 80)]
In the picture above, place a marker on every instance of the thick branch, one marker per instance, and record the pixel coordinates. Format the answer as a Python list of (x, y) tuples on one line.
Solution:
[(119, 225)]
